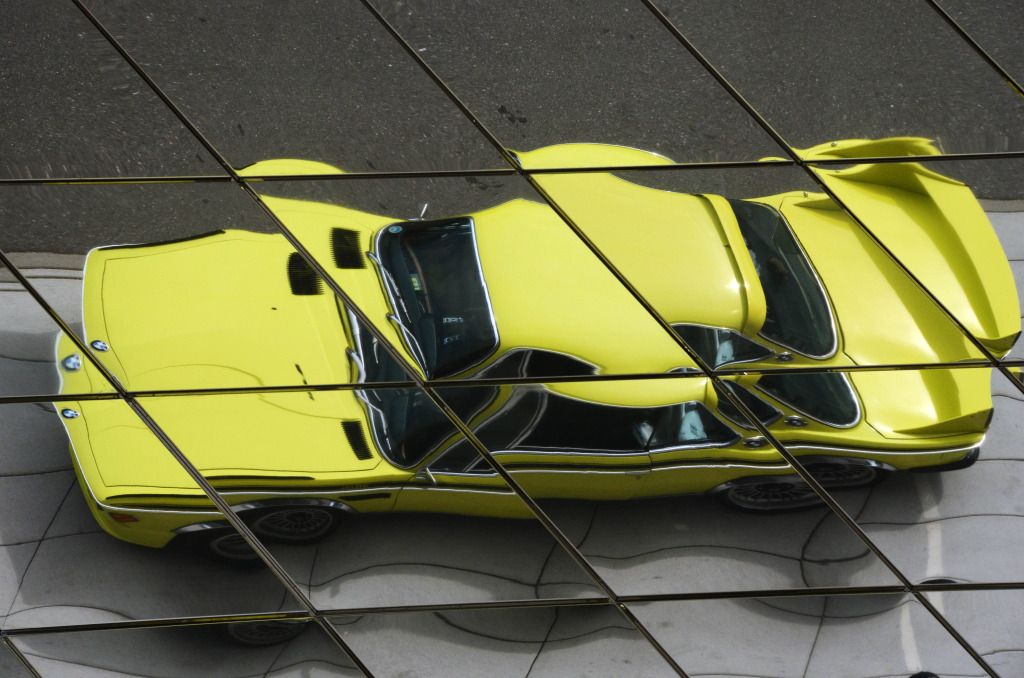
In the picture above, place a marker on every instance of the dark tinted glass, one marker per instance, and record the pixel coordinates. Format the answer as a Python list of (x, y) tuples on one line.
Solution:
[(439, 293), (765, 413), (720, 347), (826, 396), (798, 313)]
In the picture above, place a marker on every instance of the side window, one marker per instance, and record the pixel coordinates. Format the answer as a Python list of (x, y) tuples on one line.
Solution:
[(462, 458), (762, 410), (689, 425), (827, 397), (718, 346)]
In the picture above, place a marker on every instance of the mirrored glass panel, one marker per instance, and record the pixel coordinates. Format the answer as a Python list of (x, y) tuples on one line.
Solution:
[(990, 24), (473, 277), (36, 359), (85, 540), (664, 486), (939, 495), (858, 71), (538, 641), (990, 621), (73, 107), (344, 489), (174, 286), (758, 268), (321, 82), (609, 72), (11, 665), (291, 649), (842, 636)]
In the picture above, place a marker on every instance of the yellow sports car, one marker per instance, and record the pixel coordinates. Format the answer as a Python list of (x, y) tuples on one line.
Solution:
[(510, 291)]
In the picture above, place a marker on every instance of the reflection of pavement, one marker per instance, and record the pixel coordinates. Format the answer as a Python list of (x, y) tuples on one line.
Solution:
[(876, 635), (589, 641), (182, 651), (27, 333)]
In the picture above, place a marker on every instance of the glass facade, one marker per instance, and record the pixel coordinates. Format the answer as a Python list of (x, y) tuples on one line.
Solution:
[(619, 338)]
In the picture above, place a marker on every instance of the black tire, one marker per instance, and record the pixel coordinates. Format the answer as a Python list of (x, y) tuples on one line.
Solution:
[(839, 474), (787, 493), (229, 546), (293, 524), (767, 494), (262, 633)]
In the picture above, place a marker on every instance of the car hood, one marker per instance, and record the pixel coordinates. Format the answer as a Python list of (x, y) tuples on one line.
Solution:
[(211, 311), (237, 441)]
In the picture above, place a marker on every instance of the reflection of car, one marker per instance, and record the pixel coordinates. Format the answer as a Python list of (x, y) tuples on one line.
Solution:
[(782, 281)]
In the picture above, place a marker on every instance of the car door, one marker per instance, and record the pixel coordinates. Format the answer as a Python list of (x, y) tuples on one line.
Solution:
[(703, 444), (554, 446)]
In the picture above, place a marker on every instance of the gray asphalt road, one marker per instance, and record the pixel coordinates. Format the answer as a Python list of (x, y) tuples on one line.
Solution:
[(324, 81)]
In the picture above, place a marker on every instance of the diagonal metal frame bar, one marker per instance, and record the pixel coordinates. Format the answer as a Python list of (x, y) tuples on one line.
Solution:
[(19, 655), (976, 46)]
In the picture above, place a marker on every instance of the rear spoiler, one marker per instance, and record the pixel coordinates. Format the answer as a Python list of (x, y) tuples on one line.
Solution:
[(935, 226)]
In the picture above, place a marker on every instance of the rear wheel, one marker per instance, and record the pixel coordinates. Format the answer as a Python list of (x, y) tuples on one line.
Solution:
[(772, 494), (228, 545), (840, 474), (783, 493), (265, 632)]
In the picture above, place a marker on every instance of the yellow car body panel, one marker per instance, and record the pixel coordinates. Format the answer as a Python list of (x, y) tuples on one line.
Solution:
[(233, 316), (648, 233)]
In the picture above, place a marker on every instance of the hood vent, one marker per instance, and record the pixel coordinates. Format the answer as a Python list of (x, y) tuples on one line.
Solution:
[(356, 439), (345, 248), (301, 276)]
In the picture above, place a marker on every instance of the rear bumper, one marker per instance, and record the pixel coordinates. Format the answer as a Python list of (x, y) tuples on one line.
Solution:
[(967, 461)]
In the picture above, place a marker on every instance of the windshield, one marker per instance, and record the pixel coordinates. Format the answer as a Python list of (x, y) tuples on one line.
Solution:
[(433, 278), (798, 314), (826, 396)]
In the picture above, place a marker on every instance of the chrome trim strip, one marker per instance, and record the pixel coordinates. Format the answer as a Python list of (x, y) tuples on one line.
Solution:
[(441, 488), (876, 451)]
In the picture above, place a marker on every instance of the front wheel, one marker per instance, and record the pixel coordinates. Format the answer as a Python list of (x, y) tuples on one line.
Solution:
[(228, 545), (294, 524)]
